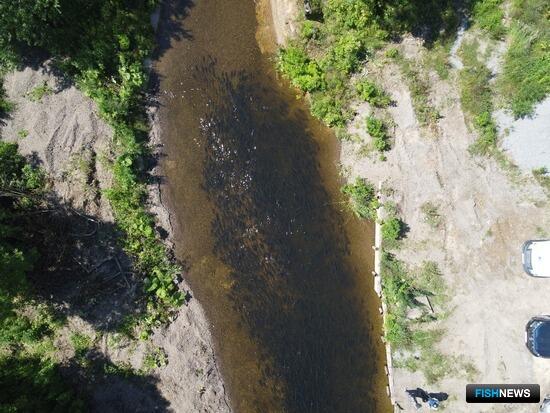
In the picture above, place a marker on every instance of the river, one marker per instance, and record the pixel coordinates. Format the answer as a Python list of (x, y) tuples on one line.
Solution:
[(269, 248)]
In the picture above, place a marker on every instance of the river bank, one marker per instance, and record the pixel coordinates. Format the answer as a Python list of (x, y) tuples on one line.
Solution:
[(467, 214), (278, 269), (65, 135)]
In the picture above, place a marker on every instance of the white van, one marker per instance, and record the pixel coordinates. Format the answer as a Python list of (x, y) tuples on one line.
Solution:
[(536, 257)]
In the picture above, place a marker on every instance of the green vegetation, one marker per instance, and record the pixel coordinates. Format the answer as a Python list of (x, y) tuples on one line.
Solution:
[(362, 198), (391, 229), (81, 344), (419, 86), (542, 176), (377, 129), (525, 78), (489, 16), (105, 56), (39, 92), (31, 384), (477, 99), (371, 93), (154, 359), (348, 33), (22, 133), (29, 372), (303, 72), (416, 335), (436, 57), (431, 215), (5, 105)]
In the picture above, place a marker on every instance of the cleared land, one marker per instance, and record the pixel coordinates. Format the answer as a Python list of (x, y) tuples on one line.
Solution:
[(467, 213)]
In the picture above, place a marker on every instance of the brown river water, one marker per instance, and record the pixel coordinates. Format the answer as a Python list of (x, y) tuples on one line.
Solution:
[(280, 265)]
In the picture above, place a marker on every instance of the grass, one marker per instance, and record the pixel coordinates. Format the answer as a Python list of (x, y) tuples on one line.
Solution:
[(38, 93), (436, 57), (416, 339), (525, 78), (362, 198), (488, 15), (82, 344), (22, 133), (431, 215), (476, 97), (542, 176), (419, 87)]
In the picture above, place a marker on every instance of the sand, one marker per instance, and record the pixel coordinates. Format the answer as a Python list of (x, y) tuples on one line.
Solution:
[(64, 134), (487, 215)]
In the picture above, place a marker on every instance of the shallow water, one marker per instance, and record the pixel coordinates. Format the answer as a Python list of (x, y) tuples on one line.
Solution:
[(281, 267)]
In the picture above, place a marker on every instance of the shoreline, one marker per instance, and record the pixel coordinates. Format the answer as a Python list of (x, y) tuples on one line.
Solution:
[(284, 17), (192, 312), (198, 327)]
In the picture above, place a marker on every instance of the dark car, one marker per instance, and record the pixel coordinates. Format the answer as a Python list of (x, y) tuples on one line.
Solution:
[(537, 336)]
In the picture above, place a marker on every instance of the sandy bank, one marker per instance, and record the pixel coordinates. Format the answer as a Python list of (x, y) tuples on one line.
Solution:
[(284, 15), (63, 133)]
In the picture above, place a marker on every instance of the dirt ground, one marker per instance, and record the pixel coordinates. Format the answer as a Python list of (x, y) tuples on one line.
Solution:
[(63, 133), (487, 215), (486, 218)]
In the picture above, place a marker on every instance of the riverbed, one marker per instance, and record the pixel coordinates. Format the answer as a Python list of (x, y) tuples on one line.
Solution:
[(281, 266)]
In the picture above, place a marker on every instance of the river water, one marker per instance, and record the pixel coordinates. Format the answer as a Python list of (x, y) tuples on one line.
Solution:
[(281, 267)]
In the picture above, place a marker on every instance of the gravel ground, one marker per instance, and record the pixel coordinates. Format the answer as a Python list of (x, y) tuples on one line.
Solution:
[(527, 140)]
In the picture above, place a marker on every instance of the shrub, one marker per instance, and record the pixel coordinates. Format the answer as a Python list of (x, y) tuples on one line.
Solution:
[(378, 131), (30, 384), (310, 30), (5, 105), (303, 72), (371, 93), (392, 52), (346, 54), (431, 215), (489, 15), (39, 92), (328, 109), (391, 229), (362, 198)]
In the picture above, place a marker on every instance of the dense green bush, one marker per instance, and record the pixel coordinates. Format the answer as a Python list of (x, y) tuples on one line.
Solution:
[(378, 131), (362, 198), (31, 384), (346, 53), (102, 44), (328, 109), (29, 378), (525, 79), (369, 92), (489, 15), (391, 229), (302, 71)]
